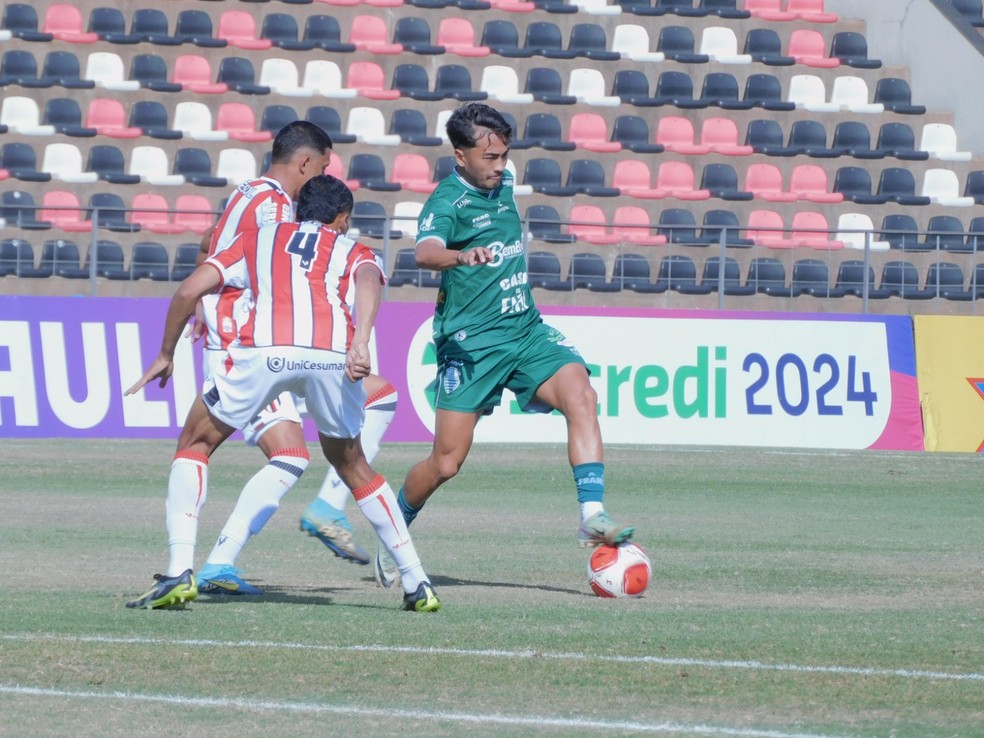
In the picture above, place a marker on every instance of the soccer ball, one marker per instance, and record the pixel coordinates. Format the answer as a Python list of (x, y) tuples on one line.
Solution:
[(619, 571)]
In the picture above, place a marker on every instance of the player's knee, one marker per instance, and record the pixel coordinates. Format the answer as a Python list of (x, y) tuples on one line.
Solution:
[(446, 467)]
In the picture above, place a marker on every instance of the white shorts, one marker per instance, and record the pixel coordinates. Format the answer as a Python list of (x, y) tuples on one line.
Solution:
[(285, 407), (259, 375)]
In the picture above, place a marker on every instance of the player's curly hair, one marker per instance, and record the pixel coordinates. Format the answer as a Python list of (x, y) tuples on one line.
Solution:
[(464, 121), (299, 134), (323, 198)]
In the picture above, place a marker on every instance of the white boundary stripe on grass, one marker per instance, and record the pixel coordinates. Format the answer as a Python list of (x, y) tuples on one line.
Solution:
[(502, 654), (389, 713)]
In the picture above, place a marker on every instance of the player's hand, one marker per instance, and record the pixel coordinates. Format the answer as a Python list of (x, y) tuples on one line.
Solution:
[(475, 257), (161, 369), (358, 363), (196, 326)]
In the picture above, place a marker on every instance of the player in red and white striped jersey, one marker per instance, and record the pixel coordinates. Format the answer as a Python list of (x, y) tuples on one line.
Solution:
[(299, 276)]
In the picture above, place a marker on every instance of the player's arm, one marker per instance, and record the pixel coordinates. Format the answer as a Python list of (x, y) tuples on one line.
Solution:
[(205, 279), (368, 293), (432, 254), (196, 328)]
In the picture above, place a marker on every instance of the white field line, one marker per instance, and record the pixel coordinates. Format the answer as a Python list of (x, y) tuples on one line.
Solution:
[(525, 654), (483, 719)]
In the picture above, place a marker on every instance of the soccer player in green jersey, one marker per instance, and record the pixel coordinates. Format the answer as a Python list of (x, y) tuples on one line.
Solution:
[(488, 333)]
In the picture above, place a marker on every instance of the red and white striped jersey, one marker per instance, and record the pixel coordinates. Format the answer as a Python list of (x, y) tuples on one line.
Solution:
[(300, 276), (253, 204)]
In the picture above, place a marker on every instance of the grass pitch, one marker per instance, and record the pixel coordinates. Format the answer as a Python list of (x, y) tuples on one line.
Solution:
[(794, 594)]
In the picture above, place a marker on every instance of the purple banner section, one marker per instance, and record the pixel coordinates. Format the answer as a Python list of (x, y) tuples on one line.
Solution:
[(663, 376)]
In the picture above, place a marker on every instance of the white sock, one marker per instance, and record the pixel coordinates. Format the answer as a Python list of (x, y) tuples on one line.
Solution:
[(590, 508), (257, 503), (187, 488), (378, 503), (380, 409)]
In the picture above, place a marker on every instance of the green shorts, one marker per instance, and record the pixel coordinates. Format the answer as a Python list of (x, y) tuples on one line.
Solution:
[(472, 380)]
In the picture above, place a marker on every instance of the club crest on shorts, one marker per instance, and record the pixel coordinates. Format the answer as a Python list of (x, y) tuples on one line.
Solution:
[(452, 376)]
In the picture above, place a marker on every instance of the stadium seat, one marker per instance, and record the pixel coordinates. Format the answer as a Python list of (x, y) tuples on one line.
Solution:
[(768, 10), (901, 279), (195, 27), (367, 79), (808, 47), (677, 134), (897, 184), (971, 10), (939, 140), (812, 277), (21, 115), (810, 137), (590, 131), (238, 28), (765, 136), (19, 67), (589, 224), (190, 164), (368, 125), (764, 45), (943, 232), (544, 38), (974, 186), (21, 21), (107, 71), (854, 230), (108, 261), (588, 271), (370, 172), (727, 280), (767, 275), (370, 33), (413, 33), (812, 11), (545, 85), (62, 210), (587, 86), (852, 138), (543, 270), (588, 177), (765, 91), (109, 165), (633, 178), (501, 83), (723, 9), (411, 127), (21, 263), (896, 95), (766, 228), (808, 92), (325, 33), (677, 226), (677, 89), (720, 89), (413, 81), (942, 187), (850, 93), (193, 213), (946, 279), (18, 209), (324, 77), (239, 122), (406, 272), (632, 86), (632, 131), (152, 212), (64, 23), (677, 179), (631, 41), (855, 184), (21, 162), (62, 258), (632, 272), (194, 73), (281, 30), (632, 225), (236, 165), (809, 182), (62, 68), (457, 36), (678, 273), (720, 44), (677, 44), (590, 41), (901, 231), (239, 75), (108, 117), (853, 278), (544, 176), (502, 38), (149, 260), (150, 25), (111, 212), (720, 136), (412, 172), (718, 224), (282, 77), (63, 161), (369, 219), (721, 180), (899, 140), (194, 120), (811, 230), (765, 182), (151, 117), (454, 81), (544, 224), (406, 213), (851, 48)]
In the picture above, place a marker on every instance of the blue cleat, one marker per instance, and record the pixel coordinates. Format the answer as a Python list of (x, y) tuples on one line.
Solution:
[(224, 579), (330, 526)]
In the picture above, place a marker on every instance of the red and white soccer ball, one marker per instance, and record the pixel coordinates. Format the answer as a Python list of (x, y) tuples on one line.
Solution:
[(619, 571)]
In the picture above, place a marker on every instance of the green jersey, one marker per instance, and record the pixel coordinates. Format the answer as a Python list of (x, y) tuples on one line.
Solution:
[(485, 305)]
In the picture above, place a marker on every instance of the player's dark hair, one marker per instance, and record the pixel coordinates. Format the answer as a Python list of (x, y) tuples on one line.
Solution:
[(323, 198), (464, 121), (300, 134)]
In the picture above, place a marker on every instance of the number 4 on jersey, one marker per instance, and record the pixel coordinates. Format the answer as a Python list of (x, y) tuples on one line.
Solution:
[(304, 245)]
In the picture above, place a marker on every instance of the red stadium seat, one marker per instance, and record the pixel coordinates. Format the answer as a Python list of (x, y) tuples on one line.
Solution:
[(457, 36), (108, 117), (720, 135), (199, 215), (811, 11), (809, 182), (766, 228), (764, 181), (413, 172), (239, 121), (631, 223), (368, 80), (590, 131), (633, 178), (808, 47), (64, 23), (370, 33), (151, 211), (809, 230), (588, 223), (194, 74), (676, 179), (677, 134), (67, 219), (239, 29)]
